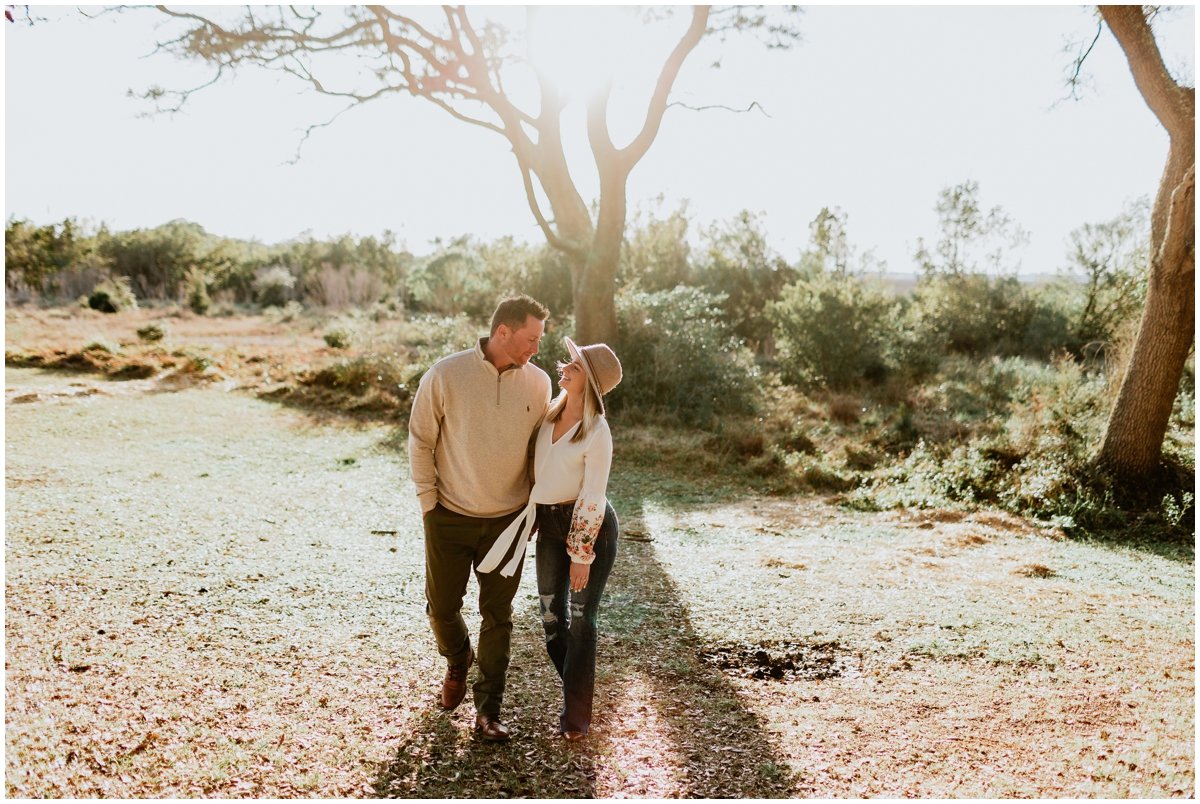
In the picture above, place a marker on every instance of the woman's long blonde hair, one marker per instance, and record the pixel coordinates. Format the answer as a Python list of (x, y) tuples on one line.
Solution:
[(591, 407)]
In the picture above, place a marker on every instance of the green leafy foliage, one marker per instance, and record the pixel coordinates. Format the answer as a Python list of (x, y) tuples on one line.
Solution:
[(739, 266), (153, 332), (974, 313), (451, 281), (971, 241), (34, 254), (680, 360), (833, 329), (471, 277), (538, 271), (273, 286), (656, 255), (196, 283), (1112, 260), (113, 295), (338, 337), (157, 261)]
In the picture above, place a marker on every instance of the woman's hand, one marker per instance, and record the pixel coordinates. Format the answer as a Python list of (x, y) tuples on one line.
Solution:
[(579, 576)]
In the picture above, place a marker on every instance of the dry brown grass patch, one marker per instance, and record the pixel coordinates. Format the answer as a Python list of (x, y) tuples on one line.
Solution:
[(844, 409), (1036, 571), (779, 563)]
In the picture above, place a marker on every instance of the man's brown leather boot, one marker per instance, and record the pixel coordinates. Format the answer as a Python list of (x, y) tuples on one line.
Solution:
[(454, 687), (491, 729)]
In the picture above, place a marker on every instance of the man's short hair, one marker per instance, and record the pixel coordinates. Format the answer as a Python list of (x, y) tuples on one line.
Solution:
[(514, 311)]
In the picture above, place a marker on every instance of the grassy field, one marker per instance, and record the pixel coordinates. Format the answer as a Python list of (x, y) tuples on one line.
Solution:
[(208, 593)]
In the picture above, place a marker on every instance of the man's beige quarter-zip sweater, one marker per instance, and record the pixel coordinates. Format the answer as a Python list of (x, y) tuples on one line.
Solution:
[(469, 430)]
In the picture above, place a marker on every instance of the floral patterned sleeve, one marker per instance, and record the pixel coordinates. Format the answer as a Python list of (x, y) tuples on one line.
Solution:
[(589, 508)]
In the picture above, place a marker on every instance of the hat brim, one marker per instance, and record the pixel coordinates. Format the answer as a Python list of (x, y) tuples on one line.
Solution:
[(577, 354)]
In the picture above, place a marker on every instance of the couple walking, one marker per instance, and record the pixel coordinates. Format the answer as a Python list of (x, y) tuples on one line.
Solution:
[(477, 419)]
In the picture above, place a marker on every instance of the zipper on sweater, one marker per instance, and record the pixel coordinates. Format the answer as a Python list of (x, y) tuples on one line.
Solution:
[(498, 377)]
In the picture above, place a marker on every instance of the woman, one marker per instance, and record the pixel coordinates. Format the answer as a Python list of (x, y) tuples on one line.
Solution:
[(577, 528)]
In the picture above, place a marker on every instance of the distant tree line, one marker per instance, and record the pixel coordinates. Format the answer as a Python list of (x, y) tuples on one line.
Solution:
[(827, 318)]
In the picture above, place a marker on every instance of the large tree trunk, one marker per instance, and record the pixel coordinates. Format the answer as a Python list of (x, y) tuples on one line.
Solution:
[(595, 309), (1139, 418), (1132, 444)]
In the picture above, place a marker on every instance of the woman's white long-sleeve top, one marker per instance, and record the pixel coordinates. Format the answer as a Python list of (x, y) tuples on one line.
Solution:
[(575, 470), (563, 470)]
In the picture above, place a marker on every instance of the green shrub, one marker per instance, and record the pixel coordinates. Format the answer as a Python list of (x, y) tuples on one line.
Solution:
[(975, 313), (915, 347), (338, 337), (655, 254), (153, 332), (273, 286), (373, 370), (135, 370), (35, 256), (292, 311), (113, 295), (432, 337), (833, 329), (1110, 263), (540, 272), (680, 360), (385, 376), (101, 345), (452, 281), (196, 283), (1039, 425), (740, 267)]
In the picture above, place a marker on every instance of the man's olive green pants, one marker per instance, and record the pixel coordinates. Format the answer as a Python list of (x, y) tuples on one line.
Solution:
[(454, 545)]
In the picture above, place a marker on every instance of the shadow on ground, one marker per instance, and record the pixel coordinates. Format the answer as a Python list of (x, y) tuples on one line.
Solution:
[(665, 723)]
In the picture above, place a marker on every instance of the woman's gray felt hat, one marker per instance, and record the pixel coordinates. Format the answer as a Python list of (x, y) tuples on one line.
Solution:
[(601, 365)]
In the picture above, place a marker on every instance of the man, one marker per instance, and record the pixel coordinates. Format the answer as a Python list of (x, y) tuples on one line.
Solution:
[(468, 438)]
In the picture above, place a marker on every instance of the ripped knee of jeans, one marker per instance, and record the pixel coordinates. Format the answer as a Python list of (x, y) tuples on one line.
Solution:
[(576, 611), (549, 618)]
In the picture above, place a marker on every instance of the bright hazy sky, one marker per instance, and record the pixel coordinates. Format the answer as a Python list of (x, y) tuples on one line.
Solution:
[(874, 112)]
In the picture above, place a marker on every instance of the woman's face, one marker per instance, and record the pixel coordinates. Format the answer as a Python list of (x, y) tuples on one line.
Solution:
[(571, 378)]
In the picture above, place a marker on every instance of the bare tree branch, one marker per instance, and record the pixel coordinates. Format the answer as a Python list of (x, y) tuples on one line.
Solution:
[(719, 106), (1077, 79), (1154, 81), (597, 127), (310, 129), (666, 79), (155, 93), (463, 117), (553, 239)]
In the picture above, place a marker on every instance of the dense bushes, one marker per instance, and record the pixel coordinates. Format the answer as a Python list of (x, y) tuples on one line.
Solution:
[(680, 360), (273, 286), (834, 329), (63, 261), (1030, 429), (974, 388), (454, 280), (738, 265)]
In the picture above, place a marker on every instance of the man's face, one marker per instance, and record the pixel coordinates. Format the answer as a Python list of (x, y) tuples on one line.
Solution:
[(522, 344)]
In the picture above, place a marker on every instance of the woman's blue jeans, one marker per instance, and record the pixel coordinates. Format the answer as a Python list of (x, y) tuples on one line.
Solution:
[(571, 629)]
